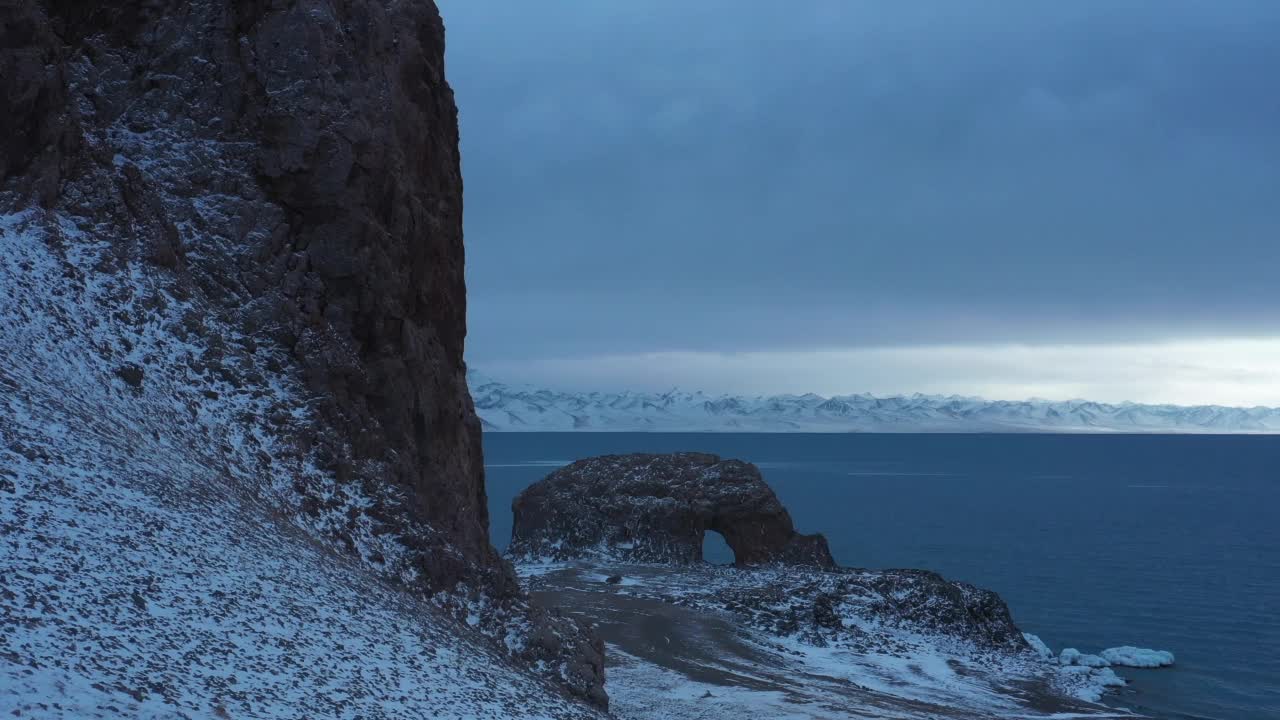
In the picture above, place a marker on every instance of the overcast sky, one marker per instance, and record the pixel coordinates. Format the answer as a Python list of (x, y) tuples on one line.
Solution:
[(1001, 198)]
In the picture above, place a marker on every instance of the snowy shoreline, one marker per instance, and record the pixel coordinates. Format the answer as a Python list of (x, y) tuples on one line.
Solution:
[(700, 654)]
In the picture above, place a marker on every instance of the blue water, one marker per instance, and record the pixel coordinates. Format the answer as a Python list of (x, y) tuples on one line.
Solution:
[(1169, 542)]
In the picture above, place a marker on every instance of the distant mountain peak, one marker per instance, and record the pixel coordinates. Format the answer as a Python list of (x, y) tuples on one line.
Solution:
[(504, 407)]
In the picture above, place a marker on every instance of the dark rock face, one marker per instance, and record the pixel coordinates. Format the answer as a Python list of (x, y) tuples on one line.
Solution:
[(656, 508), (293, 169)]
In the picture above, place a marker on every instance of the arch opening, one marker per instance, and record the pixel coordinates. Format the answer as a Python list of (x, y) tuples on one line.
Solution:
[(716, 550)]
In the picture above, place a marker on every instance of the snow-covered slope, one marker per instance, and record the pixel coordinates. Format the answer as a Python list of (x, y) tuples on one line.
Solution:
[(505, 407), (158, 558)]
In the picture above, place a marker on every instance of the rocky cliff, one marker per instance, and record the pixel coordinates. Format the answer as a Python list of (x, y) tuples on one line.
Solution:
[(235, 227), (296, 164)]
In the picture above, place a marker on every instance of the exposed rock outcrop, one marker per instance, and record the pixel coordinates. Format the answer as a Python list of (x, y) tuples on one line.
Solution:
[(657, 508), (840, 606), (274, 188)]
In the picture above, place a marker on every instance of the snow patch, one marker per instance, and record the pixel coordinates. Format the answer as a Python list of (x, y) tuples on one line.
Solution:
[(1038, 646), (1088, 684)]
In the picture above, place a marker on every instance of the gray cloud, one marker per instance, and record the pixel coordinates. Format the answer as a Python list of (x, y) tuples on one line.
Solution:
[(748, 176)]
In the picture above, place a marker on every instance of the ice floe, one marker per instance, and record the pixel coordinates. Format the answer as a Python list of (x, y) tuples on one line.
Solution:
[(1089, 677), (1072, 656), (1129, 656)]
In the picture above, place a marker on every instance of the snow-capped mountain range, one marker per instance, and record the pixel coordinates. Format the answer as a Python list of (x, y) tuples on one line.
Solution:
[(504, 407)]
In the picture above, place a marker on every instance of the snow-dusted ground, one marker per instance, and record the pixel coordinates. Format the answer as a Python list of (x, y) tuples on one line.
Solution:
[(505, 407), (120, 604), (675, 651), (154, 557)]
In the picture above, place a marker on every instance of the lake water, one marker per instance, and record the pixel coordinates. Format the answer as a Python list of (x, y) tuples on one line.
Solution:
[(1161, 541)]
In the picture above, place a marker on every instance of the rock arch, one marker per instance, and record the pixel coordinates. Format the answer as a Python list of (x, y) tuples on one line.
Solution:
[(656, 508)]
